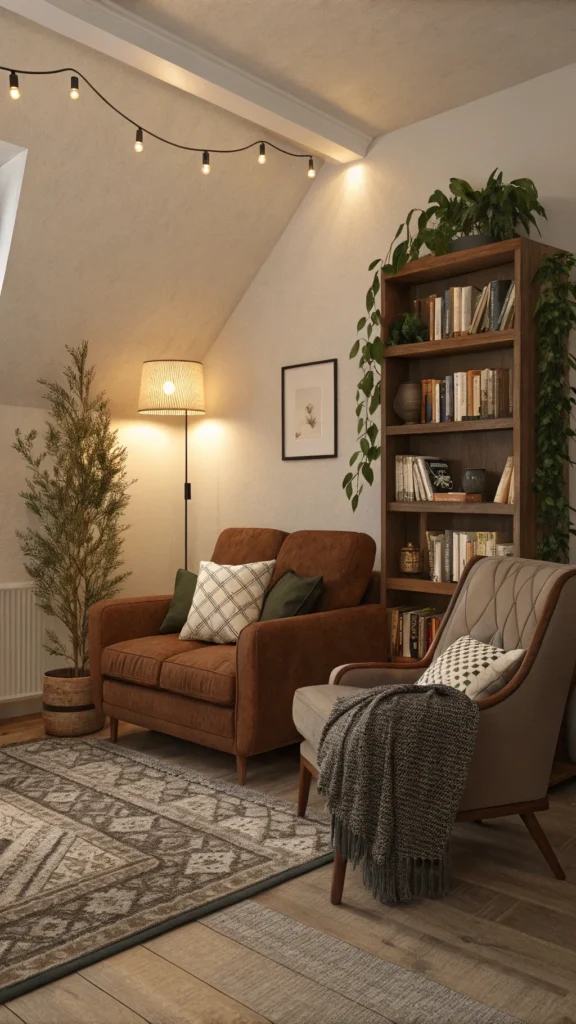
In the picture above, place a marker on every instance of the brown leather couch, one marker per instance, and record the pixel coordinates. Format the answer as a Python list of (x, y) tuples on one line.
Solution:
[(238, 698)]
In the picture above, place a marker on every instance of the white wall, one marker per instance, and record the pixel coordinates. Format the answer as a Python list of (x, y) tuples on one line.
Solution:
[(304, 303)]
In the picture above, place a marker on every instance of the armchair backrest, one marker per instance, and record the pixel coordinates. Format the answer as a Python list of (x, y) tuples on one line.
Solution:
[(344, 560), (501, 602), (240, 544)]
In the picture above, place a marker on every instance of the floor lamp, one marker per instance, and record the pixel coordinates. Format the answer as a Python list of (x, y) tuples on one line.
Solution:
[(174, 387)]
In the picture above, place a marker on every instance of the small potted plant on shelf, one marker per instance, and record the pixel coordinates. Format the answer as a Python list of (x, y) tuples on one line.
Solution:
[(77, 489)]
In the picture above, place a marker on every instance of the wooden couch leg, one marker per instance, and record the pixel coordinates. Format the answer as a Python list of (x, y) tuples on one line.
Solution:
[(303, 788), (114, 729), (241, 767), (542, 842), (338, 876)]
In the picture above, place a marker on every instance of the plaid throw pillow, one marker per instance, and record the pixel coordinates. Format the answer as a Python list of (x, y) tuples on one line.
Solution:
[(226, 598), (476, 668)]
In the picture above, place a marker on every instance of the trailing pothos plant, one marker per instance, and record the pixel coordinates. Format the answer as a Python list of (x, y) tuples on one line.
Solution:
[(555, 316)]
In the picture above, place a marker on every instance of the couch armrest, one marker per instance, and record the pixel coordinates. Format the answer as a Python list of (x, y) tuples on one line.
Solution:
[(123, 618), (376, 673), (275, 658)]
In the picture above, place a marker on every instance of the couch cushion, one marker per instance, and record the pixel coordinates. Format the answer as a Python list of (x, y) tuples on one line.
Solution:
[(238, 545), (312, 705), (140, 661), (344, 560), (208, 673)]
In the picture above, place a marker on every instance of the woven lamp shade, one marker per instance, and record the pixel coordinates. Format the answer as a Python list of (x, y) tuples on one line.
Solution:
[(171, 387)]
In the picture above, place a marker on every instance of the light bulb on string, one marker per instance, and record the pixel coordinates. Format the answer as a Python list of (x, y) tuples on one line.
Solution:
[(74, 88), (311, 168), (262, 154), (205, 162), (14, 88), (139, 143)]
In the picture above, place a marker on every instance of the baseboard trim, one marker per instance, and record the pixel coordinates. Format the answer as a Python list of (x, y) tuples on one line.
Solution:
[(16, 707)]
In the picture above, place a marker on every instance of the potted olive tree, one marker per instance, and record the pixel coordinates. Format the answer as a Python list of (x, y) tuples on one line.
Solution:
[(77, 489)]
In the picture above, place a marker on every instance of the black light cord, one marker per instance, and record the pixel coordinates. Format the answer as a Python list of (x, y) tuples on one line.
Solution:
[(153, 135)]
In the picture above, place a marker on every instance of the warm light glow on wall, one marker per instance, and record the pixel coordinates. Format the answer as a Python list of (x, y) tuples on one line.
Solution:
[(355, 174)]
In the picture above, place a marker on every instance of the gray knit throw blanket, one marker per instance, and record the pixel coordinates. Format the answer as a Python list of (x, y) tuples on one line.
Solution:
[(393, 764)]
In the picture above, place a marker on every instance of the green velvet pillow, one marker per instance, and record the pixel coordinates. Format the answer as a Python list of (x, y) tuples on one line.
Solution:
[(184, 587), (291, 595)]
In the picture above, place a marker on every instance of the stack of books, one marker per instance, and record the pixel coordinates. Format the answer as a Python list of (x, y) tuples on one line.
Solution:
[(411, 631), (467, 395), (450, 550), (468, 310), (421, 478)]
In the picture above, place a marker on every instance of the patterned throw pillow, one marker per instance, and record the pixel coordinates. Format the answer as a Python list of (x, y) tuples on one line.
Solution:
[(226, 598), (476, 668)]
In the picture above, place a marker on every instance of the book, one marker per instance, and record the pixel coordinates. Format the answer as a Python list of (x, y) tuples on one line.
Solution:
[(438, 474), (511, 488), (438, 325), (431, 318), (479, 311), (508, 302), (447, 325), (469, 298), (449, 399), (503, 489), (504, 550), (457, 310), (498, 293), (457, 496)]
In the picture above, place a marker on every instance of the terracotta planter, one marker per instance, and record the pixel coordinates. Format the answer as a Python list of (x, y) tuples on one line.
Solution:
[(68, 708)]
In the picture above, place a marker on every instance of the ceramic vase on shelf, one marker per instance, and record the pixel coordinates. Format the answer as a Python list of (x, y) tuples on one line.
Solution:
[(408, 400)]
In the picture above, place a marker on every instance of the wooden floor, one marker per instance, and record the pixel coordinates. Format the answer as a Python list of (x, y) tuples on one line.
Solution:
[(506, 936)]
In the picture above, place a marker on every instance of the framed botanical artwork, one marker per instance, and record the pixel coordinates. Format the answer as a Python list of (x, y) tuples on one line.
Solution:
[(310, 410)]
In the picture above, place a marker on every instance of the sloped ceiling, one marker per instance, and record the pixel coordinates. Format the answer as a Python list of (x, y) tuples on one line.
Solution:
[(385, 63), (141, 254)]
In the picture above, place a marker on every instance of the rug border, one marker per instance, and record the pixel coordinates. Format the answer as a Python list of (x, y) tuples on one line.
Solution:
[(20, 988)]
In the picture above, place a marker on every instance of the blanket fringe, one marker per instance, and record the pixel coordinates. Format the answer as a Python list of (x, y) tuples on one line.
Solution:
[(398, 878)]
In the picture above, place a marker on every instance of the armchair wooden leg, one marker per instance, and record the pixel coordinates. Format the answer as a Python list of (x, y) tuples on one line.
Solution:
[(542, 842), (303, 787), (114, 729), (338, 876), (241, 768)]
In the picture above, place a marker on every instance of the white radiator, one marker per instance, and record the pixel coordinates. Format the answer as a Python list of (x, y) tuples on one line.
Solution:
[(22, 657)]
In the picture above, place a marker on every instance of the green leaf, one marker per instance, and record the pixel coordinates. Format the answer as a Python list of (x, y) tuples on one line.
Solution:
[(364, 445), (368, 473), (354, 502), (353, 458), (354, 349), (347, 479), (361, 323)]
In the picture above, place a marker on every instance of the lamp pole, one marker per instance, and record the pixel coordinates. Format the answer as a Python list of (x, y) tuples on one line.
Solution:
[(187, 489)]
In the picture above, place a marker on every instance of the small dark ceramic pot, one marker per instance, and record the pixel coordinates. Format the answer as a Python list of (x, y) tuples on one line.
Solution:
[(474, 481), (470, 242)]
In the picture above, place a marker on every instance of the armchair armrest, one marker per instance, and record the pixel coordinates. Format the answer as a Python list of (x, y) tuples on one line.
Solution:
[(376, 673), (275, 658), (123, 618)]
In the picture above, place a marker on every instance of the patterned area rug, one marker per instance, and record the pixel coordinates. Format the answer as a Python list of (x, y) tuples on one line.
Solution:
[(102, 848)]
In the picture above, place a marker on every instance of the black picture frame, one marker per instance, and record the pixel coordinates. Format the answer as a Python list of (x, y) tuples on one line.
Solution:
[(299, 366)]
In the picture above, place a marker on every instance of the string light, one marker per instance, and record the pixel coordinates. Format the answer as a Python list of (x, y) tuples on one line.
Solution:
[(76, 75), (13, 89)]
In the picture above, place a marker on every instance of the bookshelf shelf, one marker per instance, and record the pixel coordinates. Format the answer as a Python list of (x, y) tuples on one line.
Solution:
[(474, 508), (461, 427), (419, 586), (469, 444), (452, 346)]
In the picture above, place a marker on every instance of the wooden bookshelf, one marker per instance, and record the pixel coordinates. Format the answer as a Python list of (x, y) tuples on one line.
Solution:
[(469, 444)]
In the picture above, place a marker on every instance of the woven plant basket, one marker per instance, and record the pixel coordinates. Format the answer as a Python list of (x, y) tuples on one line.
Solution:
[(67, 706)]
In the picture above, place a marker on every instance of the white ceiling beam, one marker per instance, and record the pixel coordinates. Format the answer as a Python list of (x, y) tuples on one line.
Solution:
[(101, 25)]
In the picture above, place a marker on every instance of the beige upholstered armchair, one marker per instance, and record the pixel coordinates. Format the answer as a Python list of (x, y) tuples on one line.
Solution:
[(511, 603)]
